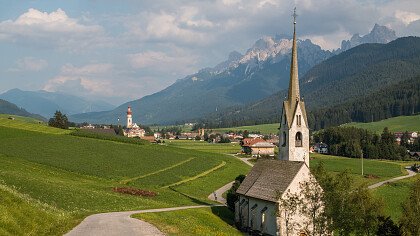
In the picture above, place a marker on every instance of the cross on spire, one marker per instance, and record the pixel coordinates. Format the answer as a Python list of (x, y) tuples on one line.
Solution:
[(294, 15)]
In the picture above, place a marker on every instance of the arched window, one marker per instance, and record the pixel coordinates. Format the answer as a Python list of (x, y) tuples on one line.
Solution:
[(284, 139), (298, 139)]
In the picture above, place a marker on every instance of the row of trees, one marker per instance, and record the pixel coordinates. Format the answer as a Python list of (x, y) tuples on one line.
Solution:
[(331, 203), (355, 142)]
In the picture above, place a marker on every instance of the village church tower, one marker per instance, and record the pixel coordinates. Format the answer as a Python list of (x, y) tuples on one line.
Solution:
[(294, 131)]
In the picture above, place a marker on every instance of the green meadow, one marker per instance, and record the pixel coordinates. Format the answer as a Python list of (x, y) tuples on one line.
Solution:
[(263, 129), (394, 194), (65, 177), (223, 148), (400, 123), (373, 170)]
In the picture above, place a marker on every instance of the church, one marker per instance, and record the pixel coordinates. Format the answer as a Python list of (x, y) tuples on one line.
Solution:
[(133, 130), (269, 180)]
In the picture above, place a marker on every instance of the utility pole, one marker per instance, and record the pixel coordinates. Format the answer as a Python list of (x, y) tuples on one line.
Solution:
[(362, 163)]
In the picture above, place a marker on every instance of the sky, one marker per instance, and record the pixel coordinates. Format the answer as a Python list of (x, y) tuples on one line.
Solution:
[(119, 51)]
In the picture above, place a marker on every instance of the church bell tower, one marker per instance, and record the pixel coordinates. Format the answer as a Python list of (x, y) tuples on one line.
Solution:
[(129, 118), (294, 129)]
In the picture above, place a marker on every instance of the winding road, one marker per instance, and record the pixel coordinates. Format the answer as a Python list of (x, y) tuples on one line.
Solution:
[(121, 223)]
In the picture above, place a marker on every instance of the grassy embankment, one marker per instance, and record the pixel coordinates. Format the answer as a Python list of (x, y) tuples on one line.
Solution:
[(67, 178), (400, 123)]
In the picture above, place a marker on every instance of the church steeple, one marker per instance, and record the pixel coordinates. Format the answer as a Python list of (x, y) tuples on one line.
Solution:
[(294, 131), (294, 94)]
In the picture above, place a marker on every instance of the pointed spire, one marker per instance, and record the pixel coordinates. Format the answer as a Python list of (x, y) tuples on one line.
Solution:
[(294, 94)]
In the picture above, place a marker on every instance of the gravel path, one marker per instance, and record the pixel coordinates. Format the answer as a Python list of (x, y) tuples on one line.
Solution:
[(120, 223), (410, 174)]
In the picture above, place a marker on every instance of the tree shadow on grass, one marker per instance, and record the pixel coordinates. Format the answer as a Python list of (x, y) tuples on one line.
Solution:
[(194, 200), (224, 214)]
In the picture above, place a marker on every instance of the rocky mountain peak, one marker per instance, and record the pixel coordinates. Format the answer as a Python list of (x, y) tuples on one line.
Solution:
[(378, 34)]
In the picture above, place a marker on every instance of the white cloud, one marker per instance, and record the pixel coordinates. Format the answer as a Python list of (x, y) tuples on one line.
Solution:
[(180, 64), (406, 17), (31, 64), (52, 29), (92, 79)]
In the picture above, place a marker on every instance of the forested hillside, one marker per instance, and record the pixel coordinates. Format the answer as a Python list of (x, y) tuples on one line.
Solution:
[(10, 108), (371, 79)]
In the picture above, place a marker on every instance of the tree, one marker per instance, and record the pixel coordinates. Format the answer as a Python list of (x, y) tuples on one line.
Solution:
[(410, 223), (59, 121), (232, 196), (348, 210), (387, 227)]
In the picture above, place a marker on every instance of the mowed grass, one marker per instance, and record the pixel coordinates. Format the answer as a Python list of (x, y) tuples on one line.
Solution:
[(263, 129), (394, 194), (26, 123), (222, 148), (76, 175), (202, 221), (400, 123), (373, 170)]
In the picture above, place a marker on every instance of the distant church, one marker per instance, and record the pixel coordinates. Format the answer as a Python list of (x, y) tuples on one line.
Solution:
[(269, 180), (133, 130)]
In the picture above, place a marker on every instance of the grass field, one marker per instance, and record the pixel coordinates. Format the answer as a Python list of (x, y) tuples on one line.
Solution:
[(394, 194), (75, 176), (203, 221), (374, 170), (400, 123), (224, 148), (263, 129), (26, 123)]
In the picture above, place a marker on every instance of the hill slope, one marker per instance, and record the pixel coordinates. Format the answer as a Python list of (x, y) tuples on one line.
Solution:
[(46, 103), (348, 78), (395, 124), (10, 108)]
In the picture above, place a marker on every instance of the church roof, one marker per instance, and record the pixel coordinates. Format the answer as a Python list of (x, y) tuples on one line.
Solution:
[(269, 178)]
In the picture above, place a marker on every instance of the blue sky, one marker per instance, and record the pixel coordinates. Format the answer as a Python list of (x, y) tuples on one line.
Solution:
[(123, 50)]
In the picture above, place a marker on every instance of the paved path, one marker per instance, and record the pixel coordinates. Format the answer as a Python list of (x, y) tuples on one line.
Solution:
[(120, 223), (410, 174), (219, 192)]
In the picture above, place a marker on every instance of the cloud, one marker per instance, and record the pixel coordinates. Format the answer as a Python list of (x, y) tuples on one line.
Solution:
[(178, 64), (92, 79), (30, 64), (406, 17), (52, 29)]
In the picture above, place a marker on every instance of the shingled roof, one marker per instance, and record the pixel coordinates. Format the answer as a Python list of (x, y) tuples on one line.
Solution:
[(268, 178)]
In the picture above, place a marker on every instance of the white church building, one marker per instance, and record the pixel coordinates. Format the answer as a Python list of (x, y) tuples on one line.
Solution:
[(133, 130), (267, 183)]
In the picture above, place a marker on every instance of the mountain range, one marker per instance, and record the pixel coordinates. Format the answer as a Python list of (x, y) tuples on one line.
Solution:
[(366, 83), (242, 79), (46, 103)]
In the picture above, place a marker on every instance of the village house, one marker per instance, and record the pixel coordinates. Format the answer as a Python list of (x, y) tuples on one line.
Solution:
[(411, 136), (257, 147), (269, 181), (321, 148)]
